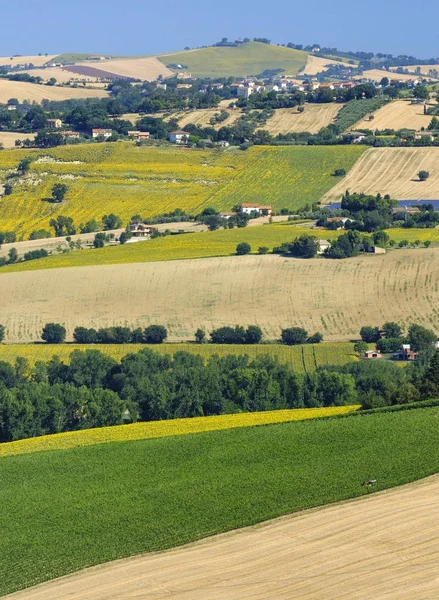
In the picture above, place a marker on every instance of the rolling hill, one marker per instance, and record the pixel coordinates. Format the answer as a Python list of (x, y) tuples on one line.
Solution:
[(392, 171), (334, 297), (399, 114), (248, 59), (36, 93), (98, 503), (128, 180)]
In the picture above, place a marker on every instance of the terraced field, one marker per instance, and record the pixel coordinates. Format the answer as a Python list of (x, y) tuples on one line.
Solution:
[(392, 171), (399, 114), (312, 119), (304, 359), (249, 59), (127, 180), (334, 297)]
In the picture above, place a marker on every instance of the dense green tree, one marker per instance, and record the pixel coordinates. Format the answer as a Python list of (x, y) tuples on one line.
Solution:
[(370, 334), (99, 240), (2, 333), (293, 336), (305, 246), (392, 330), (111, 221), (361, 348), (12, 256), (53, 333), (155, 334), (59, 191), (421, 338), (243, 248), (200, 336)]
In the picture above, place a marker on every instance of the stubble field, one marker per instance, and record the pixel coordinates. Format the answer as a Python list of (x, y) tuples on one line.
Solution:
[(334, 297), (312, 119), (400, 114), (392, 171), (36, 93)]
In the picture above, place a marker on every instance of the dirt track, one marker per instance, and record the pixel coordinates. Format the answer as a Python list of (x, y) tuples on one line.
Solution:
[(385, 546)]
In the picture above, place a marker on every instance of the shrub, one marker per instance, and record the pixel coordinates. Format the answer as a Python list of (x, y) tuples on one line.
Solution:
[(99, 241), (293, 336), (315, 339), (339, 173), (40, 234), (228, 335), (243, 248), (253, 335), (263, 250), (360, 348), (200, 336), (2, 332), (423, 175), (53, 333), (155, 334), (35, 254)]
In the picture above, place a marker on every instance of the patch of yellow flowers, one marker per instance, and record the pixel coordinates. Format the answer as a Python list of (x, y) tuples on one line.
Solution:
[(158, 429)]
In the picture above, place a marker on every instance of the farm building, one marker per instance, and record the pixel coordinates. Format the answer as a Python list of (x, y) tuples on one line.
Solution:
[(340, 221), (406, 353), (70, 134), (323, 245), (105, 133), (377, 250), (357, 136), (54, 123), (424, 135), (178, 137), (140, 230), (227, 215), (139, 135), (260, 210), (372, 355)]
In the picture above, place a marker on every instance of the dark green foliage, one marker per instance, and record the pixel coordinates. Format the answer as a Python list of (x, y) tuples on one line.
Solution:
[(236, 335), (53, 333), (100, 239), (263, 250), (423, 175), (165, 485), (421, 338), (7, 237), (40, 234), (392, 330), (355, 110), (111, 221), (63, 226), (316, 338), (370, 334), (155, 334), (361, 347), (2, 333), (89, 227), (24, 166), (347, 245), (389, 345), (305, 246), (35, 254), (8, 189), (243, 248), (59, 190), (292, 336), (12, 256), (200, 336), (83, 335), (339, 172)]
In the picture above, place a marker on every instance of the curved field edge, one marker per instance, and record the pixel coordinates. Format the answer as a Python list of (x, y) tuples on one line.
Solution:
[(66, 510), (169, 428)]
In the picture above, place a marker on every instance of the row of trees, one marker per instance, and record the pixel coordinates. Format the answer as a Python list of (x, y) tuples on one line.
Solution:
[(94, 390), (390, 337)]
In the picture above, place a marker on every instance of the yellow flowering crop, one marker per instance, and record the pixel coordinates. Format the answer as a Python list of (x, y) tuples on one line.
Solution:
[(158, 429)]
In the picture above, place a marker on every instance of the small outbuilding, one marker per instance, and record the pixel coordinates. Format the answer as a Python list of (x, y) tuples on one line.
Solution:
[(372, 354)]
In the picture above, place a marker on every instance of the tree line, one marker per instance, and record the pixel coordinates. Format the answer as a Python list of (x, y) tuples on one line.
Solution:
[(95, 390)]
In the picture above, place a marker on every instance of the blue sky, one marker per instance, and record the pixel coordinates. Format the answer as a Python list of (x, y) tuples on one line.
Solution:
[(145, 27)]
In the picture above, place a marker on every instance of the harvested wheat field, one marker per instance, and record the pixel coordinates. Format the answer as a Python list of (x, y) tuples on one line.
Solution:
[(400, 114), (7, 138), (312, 119), (316, 64), (334, 297), (424, 69), (384, 546), (61, 75), (392, 171), (36, 93), (378, 74), (37, 61), (146, 69)]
